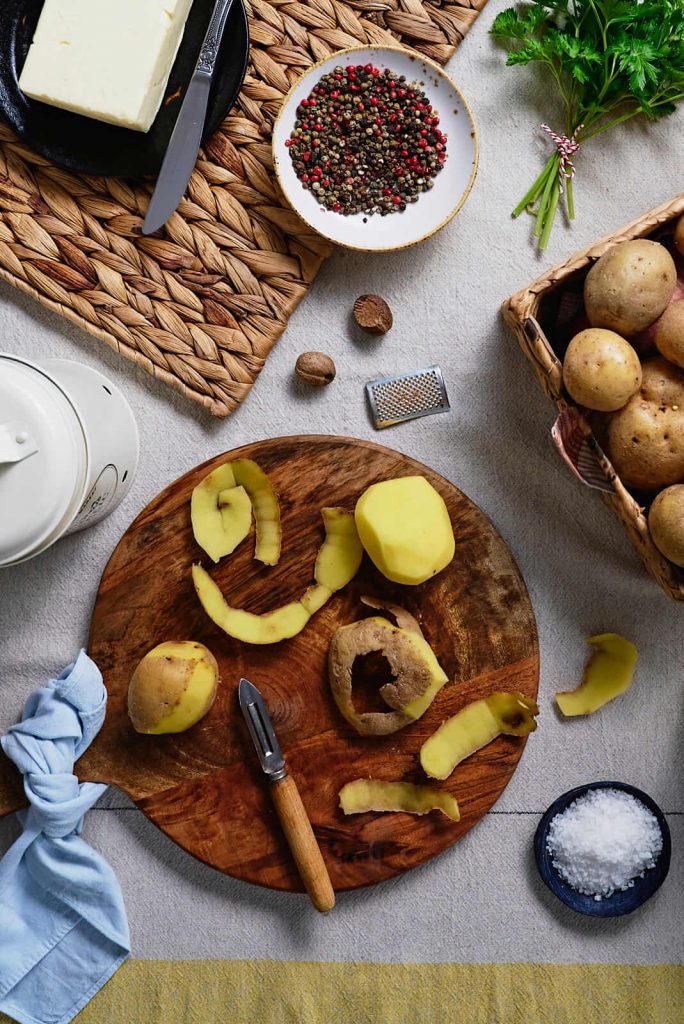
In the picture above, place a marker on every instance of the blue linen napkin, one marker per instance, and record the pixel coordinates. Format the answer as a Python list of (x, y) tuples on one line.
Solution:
[(63, 927)]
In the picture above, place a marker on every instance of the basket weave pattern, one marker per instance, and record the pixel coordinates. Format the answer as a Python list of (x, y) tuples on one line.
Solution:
[(521, 313), (201, 304)]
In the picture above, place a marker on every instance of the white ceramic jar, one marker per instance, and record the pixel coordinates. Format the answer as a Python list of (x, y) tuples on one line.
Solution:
[(68, 452)]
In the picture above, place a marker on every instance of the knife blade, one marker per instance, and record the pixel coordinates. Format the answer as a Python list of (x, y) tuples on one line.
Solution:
[(181, 154), (286, 799)]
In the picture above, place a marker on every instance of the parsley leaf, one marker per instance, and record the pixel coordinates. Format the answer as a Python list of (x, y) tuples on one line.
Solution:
[(610, 60)]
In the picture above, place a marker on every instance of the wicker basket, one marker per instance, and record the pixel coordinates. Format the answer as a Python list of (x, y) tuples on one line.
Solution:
[(527, 313)]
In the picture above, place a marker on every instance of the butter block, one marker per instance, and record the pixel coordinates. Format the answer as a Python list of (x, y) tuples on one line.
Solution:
[(105, 59)]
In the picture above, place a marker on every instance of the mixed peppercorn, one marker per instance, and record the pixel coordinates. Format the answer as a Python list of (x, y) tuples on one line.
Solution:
[(366, 141)]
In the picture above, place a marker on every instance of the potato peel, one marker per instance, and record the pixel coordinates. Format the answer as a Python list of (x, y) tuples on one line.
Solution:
[(340, 554), (364, 795), (608, 673), (266, 509), (417, 674), (472, 728), (402, 618)]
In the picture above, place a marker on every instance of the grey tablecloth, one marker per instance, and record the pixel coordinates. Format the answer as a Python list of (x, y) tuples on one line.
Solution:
[(582, 574)]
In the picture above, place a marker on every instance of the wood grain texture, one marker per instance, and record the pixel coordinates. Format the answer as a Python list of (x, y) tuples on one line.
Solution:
[(200, 304), (204, 787), (303, 844)]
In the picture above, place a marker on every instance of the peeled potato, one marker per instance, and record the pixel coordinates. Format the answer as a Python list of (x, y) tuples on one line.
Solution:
[(404, 526), (666, 523), (669, 336), (172, 687), (629, 286), (601, 370)]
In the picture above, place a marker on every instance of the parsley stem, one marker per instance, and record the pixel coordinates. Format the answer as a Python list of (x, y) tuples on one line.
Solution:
[(570, 199), (550, 215), (538, 186), (543, 203)]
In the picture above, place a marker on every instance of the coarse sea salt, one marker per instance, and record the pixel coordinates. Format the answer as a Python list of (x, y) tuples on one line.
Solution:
[(603, 841)]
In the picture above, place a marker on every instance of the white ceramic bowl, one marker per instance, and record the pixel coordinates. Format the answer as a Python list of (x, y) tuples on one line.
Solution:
[(435, 208)]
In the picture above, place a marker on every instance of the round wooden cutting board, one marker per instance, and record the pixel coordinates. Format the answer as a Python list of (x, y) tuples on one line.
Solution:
[(204, 788)]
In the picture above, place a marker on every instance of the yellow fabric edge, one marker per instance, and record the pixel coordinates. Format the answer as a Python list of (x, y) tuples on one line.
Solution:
[(285, 992)]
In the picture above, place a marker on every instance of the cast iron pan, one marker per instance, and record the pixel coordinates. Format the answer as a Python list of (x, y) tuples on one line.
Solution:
[(92, 147)]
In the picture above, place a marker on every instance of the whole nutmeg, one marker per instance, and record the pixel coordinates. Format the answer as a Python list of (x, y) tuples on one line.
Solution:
[(372, 314), (315, 368)]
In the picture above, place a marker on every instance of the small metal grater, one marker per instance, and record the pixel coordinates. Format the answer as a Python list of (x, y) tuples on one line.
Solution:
[(408, 396)]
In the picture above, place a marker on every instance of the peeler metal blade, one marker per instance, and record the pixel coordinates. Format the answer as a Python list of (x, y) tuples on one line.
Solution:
[(407, 396), (261, 730)]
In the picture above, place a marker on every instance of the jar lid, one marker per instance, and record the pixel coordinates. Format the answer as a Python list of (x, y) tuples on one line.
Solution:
[(43, 459)]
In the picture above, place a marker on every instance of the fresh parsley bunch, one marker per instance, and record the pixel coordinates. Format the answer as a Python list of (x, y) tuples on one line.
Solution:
[(610, 60)]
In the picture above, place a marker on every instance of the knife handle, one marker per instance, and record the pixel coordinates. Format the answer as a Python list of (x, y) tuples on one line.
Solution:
[(303, 844)]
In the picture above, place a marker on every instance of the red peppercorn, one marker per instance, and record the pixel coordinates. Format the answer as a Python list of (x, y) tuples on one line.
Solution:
[(375, 72), (368, 68), (396, 200), (312, 102), (374, 101), (306, 156), (420, 106), (305, 177), (421, 142), (315, 143), (304, 103), (401, 93), (337, 207), (288, 142), (435, 120)]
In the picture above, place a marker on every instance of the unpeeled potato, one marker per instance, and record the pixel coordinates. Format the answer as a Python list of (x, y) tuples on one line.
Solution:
[(666, 523), (669, 335), (645, 439), (679, 235), (601, 370), (629, 286), (172, 687)]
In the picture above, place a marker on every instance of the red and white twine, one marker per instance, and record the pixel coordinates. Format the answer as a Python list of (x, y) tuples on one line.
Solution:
[(567, 147)]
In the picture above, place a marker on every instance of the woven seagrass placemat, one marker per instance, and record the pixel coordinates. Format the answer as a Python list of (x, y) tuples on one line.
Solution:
[(201, 305)]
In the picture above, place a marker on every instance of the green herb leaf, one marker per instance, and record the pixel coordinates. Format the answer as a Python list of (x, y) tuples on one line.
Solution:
[(609, 59)]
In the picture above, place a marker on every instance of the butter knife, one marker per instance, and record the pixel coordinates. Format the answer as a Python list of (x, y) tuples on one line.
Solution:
[(181, 154), (286, 799)]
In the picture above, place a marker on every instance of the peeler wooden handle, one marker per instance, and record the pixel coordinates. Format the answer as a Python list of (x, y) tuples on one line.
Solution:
[(302, 843)]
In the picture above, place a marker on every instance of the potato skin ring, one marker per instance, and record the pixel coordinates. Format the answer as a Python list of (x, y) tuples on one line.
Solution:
[(414, 667)]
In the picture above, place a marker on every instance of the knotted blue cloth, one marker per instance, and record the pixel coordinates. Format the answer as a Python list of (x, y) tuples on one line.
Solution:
[(63, 928)]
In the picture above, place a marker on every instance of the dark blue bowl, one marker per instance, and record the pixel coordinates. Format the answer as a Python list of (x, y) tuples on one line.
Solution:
[(620, 902)]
